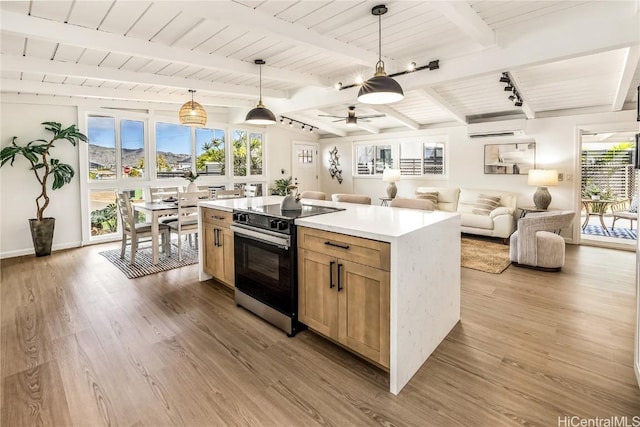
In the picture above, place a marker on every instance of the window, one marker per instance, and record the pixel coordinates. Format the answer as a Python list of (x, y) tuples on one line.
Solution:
[(247, 153), (173, 150), (102, 147), (422, 158), (373, 159), (210, 151), (132, 148)]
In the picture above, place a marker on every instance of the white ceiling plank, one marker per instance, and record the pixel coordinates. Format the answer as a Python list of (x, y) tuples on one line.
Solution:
[(251, 19), (368, 128), (385, 109), (467, 21), (526, 106), (626, 77), (48, 30), (35, 87), (19, 63), (435, 97)]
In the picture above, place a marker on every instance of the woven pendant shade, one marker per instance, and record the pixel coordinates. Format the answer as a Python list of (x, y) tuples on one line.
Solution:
[(192, 113)]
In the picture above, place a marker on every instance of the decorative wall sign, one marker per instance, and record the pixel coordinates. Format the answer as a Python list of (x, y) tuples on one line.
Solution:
[(509, 159), (334, 162)]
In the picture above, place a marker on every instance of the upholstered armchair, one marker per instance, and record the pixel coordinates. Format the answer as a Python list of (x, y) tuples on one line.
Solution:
[(537, 243)]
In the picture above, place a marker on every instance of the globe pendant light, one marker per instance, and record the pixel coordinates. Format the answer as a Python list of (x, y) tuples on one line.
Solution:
[(192, 114), (260, 115), (380, 89)]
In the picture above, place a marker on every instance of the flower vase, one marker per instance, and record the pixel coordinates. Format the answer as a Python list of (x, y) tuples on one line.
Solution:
[(192, 187), (289, 203)]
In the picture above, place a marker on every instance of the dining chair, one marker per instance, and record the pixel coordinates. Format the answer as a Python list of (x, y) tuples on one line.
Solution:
[(157, 194), (315, 195), (137, 232), (229, 194), (187, 223), (409, 203), (352, 198)]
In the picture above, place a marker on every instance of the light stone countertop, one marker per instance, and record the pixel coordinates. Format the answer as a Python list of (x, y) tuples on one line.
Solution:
[(368, 221)]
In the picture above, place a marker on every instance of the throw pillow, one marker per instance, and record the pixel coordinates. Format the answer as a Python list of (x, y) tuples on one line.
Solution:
[(433, 197), (633, 207), (485, 204)]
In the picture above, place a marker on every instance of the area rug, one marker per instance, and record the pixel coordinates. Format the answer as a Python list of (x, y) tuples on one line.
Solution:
[(620, 233), (143, 265), (483, 255)]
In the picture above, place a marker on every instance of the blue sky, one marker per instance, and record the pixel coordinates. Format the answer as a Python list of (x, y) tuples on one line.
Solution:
[(169, 137)]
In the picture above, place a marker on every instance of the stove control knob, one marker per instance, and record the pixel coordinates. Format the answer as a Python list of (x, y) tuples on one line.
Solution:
[(240, 217), (283, 225), (273, 223)]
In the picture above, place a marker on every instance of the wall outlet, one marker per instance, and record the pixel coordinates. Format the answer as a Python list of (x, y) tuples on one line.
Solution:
[(560, 177), (283, 171)]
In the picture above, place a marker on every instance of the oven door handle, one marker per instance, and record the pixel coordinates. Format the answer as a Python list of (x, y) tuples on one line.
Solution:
[(281, 242)]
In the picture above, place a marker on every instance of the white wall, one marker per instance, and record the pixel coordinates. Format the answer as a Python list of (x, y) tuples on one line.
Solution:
[(19, 188)]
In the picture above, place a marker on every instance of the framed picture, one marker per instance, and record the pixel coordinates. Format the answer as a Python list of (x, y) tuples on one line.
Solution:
[(509, 159), (638, 106)]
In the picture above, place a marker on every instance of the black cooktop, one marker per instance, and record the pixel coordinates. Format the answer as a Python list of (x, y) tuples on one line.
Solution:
[(275, 211)]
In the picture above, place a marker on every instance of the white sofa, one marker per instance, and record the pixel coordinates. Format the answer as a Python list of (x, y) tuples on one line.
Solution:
[(500, 222)]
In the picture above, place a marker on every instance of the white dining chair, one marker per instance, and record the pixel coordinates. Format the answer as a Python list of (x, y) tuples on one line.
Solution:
[(187, 223), (137, 232)]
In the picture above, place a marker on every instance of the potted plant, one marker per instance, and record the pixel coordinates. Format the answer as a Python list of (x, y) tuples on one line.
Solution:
[(190, 176), (280, 187), (37, 153)]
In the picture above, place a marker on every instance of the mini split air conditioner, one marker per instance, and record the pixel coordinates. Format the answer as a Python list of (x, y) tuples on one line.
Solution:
[(512, 128)]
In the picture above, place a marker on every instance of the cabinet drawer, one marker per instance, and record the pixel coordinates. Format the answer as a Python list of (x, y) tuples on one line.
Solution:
[(217, 217), (355, 249)]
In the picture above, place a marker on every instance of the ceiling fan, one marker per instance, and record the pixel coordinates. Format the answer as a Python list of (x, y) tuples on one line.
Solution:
[(351, 118)]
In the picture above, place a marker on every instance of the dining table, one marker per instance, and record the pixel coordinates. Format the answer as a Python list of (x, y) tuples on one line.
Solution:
[(155, 210)]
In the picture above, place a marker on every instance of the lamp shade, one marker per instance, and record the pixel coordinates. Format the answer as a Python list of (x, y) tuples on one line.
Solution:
[(192, 114), (260, 115), (391, 175), (380, 90), (543, 177)]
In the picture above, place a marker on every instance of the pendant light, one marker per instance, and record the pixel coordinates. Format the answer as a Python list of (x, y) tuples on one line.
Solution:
[(380, 89), (260, 115), (192, 113)]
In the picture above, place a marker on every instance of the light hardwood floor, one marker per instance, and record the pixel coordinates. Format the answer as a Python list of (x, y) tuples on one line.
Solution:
[(82, 345)]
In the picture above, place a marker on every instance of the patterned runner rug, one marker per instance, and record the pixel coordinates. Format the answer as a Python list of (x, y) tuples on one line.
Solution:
[(620, 233), (483, 255), (144, 266)]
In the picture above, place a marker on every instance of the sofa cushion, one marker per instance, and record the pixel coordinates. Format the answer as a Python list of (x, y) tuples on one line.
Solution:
[(431, 196), (468, 197), (485, 204), (476, 221)]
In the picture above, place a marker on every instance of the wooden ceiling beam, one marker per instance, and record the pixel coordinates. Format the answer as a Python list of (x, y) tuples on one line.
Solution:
[(57, 32), (385, 109), (462, 15), (437, 99), (526, 106), (626, 77)]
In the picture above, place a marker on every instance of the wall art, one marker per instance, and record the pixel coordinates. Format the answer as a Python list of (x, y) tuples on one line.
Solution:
[(509, 159), (334, 162)]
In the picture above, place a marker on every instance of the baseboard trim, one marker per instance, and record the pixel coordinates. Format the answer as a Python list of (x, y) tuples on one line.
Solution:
[(31, 251)]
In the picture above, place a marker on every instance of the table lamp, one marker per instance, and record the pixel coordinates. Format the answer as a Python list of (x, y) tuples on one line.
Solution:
[(391, 176), (543, 178)]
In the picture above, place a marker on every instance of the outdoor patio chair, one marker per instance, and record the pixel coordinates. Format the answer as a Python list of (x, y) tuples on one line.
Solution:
[(625, 210)]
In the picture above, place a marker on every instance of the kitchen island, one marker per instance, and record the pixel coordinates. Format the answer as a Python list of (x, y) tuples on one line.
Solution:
[(423, 271)]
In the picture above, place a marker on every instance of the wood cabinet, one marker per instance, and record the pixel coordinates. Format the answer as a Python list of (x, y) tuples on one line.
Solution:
[(218, 245), (343, 290)]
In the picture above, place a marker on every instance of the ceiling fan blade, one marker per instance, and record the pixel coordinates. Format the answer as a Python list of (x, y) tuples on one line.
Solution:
[(328, 115), (339, 120), (371, 116)]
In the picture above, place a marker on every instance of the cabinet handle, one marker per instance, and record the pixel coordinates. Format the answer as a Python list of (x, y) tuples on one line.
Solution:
[(215, 237), (339, 275), (331, 285), (337, 245), (219, 218), (219, 239)]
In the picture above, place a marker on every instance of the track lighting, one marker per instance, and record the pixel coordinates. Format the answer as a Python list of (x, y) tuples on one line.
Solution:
[(338, 85), (432, 65), (304, 125), (411, 66), (511, 87)]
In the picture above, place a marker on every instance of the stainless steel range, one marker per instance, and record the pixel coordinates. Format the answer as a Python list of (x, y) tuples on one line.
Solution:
[(266, 264)]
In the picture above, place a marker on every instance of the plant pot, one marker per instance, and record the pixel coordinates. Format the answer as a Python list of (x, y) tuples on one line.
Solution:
[(594, 197), (42, 235), (192, 187)]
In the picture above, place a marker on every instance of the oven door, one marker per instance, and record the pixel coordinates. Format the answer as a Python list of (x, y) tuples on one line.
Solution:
[(265, 267)]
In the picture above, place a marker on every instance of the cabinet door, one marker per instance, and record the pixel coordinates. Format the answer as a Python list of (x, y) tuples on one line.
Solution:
[(210, 250), (227, 257), (364, 310), (317, 300)]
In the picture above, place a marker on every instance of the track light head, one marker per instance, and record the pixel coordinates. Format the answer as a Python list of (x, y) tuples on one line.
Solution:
[(505, 78), (508, 88), (518, 103), (412, 66), (338, 85)]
